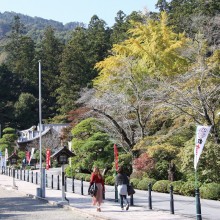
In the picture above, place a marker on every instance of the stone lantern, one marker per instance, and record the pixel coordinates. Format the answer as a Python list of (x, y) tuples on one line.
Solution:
[(62, 157)]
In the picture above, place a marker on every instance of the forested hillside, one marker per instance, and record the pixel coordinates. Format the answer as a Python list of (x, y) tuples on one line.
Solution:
[(145, 83), (33, 23)]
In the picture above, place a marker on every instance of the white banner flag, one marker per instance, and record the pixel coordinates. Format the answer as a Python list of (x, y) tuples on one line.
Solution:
[(32, 153), (6, 155), (201, 136)]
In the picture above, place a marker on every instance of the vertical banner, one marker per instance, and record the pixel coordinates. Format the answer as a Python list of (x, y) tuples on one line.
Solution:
[(48, 159), (116, 156), (27, 155), (70, 148), (201, 136), (32, 153), (6, 155)]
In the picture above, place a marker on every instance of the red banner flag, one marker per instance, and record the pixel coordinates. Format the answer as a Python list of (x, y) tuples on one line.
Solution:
[(27, 154), (116, 156), (48, 159)]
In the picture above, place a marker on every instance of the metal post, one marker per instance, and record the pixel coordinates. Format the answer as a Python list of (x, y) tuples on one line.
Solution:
[(116, 194), (24, 175), (28, 176), (42, 170), (82, 186), (46, 181), (13, 174), (198, 205), (149, 196), (131, 199), (20, 174), (58, 182), (52, 181), (171, 200), (36, 178), (63, 183), (32, 177), (73, 185)]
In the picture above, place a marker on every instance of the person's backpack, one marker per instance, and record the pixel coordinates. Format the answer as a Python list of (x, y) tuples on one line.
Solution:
[(92, 189)]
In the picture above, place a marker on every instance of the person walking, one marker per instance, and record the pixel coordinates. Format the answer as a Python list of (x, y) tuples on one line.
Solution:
[(122, 182), (97, 178)]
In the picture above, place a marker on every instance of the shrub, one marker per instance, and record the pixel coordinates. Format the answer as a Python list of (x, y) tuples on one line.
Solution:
[(83, 176), (210, 191), (188, 188), (138, 175), (135, 182), (110, 180), (161, 186), (87, 177), (177, 185), (69, 172), (143, 184)]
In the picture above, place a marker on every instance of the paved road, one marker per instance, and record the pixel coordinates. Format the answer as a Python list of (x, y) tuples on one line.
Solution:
[(17, 206)]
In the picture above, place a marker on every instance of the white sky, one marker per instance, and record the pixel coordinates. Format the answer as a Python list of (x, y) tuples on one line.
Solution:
[(76, 10)]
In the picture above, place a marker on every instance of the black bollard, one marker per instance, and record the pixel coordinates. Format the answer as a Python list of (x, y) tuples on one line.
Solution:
[(36, 178), (103, 195), (46, 180), (32, 176), (82, 186), (28, 176), (116, 194), (58, 182), (149, 196), (65, 184), (131, 198), (52, 181), (24, 176), (17, 174), (171, 200), (198, 205), (73, 185), (20, 174)]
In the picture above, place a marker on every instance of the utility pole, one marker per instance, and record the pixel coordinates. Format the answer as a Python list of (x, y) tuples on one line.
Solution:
[(41, 192)]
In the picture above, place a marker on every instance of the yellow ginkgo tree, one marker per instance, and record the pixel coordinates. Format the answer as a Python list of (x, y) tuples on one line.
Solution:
[(156, 49), (126, 88)]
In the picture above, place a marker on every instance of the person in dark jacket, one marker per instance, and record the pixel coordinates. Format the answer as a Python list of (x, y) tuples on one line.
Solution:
[(122, 182)]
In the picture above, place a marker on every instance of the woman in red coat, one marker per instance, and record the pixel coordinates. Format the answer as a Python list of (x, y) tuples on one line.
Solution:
[(97, 178)]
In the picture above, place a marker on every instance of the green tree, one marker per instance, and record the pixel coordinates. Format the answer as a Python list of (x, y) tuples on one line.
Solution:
[(26, 111), (74, 70), (20, 56), (9, 90), (91, 146), (98, 43), (181, 12), (50, 55), (84, 50), (120, 28), (8, 140)]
